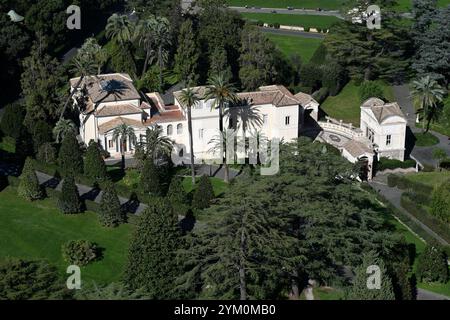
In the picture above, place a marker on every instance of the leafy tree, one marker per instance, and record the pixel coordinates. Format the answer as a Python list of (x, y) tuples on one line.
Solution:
[(360, 291), (149, 182), (30, 280), (111, 213), (440, 155), (257, 59), (427, 95), (310, 75), (62, 127), (189, 99), (432, 265), (203, 194), (370, 89), (41, 133), (152, 263), (186, 58), (112, 291), (12, 120), (431, 40), (440, 202), (79, 252), (91, 50), (119, 28), (178, 196), (69, 201), (29, 187), (40, 82), (334, 77), (46, 153), (69, 158), (94, 166)]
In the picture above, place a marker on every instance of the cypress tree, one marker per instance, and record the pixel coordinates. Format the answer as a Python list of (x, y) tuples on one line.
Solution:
[(152, 259), (149, 182), (432, 265), (69, 200), (186, 58), (111, 214), (69, 158), (359, 289), (94, 166), (29, 187), (203, 194), (177, 196)]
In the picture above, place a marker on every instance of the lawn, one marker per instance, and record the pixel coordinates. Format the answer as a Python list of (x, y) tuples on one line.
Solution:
[(425, 139), (219, 185), (7, 144), (429, 178), (298, 4), (305, 47), (310, 21), (346, 105), (37, 230)]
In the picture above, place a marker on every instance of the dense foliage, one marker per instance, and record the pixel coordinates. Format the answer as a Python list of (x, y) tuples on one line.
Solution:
[(79, 252), (111, 213), (29, 187), (69, 201)]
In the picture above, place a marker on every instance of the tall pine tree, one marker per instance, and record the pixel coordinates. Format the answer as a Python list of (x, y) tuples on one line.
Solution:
[(149, 182), (152, 263), (203, 194)]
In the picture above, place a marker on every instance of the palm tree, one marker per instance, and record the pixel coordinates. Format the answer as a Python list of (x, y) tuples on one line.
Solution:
[(63, 126), (188, 99), (119, 28), (223, 94), (145, 34), (93, 51), (219, 145), (124, 132), (83, 66), (156, 144), (427, 95)]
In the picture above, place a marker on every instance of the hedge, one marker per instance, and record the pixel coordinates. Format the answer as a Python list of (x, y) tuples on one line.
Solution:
[(424, 216), (385, 163), (404, 183)]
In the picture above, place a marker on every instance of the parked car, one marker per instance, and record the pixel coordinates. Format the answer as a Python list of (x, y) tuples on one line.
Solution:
[(290, 8), (319, 9), (246, 6), (273, 11)]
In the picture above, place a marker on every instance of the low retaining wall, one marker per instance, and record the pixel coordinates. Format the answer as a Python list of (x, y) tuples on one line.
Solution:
[(398, 170), (295, 28)]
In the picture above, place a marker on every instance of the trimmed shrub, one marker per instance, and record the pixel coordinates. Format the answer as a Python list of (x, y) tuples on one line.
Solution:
[(41, 133), (276, 25), (79, 252), (260, 23), (432, 265), (369, 89), (69, 158), (203, 194), (311, 75), (307, 29), (29, 187), (385, 163), (47, 153), (178, 197), (111, 214), (94, 166), (69, 201), (440, 203), (149, 182)]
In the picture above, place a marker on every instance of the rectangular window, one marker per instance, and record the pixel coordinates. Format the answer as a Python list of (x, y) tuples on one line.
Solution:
[(200, 133), (265, 119), (111, 144), (286, 120), (370, 135), (388, 139)]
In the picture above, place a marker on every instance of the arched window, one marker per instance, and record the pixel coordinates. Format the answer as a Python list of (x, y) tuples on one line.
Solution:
[(181, 153), (179, 128), (169, 130)]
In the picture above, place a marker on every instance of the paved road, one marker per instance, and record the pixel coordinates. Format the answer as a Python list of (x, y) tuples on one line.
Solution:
[(428, 295), (293, 33), (334, 13), (422, 154), (393, 195)]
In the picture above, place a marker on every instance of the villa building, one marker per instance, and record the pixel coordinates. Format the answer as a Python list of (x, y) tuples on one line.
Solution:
[(111, 99)]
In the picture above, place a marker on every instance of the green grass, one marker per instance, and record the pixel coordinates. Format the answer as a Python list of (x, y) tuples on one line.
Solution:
[(308, 4), (426, 139), (406, 5), (37, 230), (327, 293), (346, 105), (429, 178), (305, 47), (310, 21)]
